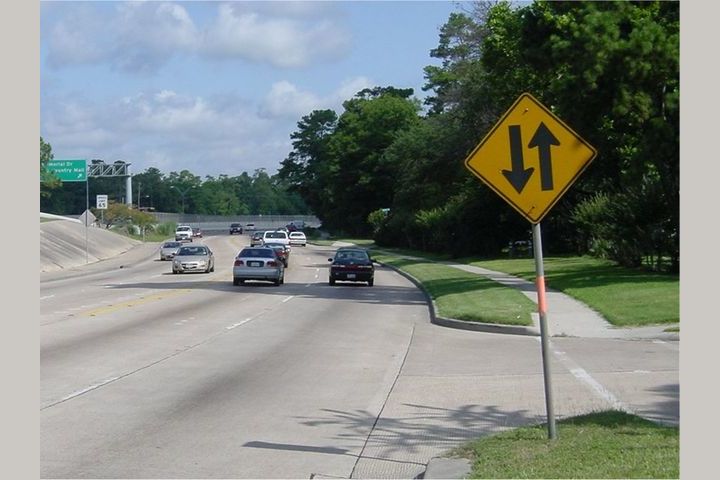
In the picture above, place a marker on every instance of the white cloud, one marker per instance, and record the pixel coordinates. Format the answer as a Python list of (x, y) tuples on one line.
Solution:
[(142, 36), (286, 100), (281, 42), (167, 130), (76, 39)]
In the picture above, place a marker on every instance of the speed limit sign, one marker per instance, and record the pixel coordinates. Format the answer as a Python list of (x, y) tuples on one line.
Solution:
[(101, 202)]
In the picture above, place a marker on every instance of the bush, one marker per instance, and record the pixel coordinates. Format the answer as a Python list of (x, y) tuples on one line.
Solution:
[(628, 226)]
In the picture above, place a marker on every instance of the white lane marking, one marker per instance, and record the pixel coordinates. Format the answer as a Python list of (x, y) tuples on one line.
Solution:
[(586, 378), (88, 389), (288, 298), (235, 325), (46, 297)]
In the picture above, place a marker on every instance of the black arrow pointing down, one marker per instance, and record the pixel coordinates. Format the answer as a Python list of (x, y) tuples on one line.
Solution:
[(519, 175)]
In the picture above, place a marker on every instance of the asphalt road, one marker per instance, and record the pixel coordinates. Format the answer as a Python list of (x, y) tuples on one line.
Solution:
[(145, 374)]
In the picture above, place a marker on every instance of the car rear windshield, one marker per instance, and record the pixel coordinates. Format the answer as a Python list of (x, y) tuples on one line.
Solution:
[(351, 256), (192, 251), (234, 224), (276, 235), (257, 252), (172, 245)]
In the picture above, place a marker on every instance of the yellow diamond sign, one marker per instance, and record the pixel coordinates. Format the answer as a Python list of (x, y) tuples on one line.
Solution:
[(530, 158)]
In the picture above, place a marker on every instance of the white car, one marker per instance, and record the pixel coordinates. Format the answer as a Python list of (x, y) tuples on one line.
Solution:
[(276, 236), (298, 238), (183, 232)]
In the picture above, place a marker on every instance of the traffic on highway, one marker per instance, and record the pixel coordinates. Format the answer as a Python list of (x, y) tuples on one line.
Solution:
[(329, 366)]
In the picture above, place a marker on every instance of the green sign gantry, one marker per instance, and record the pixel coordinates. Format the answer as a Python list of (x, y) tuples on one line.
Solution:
[(69, 170)]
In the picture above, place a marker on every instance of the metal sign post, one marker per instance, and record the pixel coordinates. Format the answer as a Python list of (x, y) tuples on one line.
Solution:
[(544, 334)]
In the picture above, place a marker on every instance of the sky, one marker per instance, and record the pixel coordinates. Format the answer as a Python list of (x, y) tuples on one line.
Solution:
[(217, 88)]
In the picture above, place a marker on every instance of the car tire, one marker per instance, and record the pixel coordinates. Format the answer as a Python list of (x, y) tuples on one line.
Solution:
[(212, 269), (276, 282), (236, 281), (332, 282), (371, 282)]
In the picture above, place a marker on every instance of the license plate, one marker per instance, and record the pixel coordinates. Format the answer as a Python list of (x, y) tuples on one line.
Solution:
[(255, 264), (350, 275)]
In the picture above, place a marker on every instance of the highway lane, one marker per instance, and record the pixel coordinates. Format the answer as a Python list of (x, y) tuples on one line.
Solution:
[(161, 375)]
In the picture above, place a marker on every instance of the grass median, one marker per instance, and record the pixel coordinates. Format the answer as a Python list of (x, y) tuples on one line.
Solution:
[(625, 297), (465, 296), (608, 444)]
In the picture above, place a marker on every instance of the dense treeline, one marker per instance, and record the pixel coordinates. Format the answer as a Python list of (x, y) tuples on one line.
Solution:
[(175, 192), (608, 69)]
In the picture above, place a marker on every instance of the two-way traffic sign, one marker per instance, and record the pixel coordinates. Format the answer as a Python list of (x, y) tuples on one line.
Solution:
[(530, 158)]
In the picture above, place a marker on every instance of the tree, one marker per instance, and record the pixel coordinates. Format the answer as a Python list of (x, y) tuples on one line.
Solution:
[(48, 179), (309, 167)]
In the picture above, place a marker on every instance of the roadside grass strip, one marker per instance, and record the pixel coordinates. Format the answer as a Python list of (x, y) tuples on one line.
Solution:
[(610, 444), (465, 296), (624, 296)]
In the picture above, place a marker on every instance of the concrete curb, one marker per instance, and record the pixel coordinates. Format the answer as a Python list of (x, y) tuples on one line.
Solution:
[(463, 324)]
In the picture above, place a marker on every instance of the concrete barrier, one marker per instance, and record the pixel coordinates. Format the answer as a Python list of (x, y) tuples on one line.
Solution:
[(62, 245)]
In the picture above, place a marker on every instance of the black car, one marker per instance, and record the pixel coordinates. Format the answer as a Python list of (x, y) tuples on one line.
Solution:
[(352, 265), (236, 228)]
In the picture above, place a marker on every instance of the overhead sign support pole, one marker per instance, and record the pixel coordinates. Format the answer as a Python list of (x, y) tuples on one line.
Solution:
[(87, 214), (530, 158)]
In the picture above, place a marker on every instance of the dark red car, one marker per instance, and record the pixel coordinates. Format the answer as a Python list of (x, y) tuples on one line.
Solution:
[(282, 250)]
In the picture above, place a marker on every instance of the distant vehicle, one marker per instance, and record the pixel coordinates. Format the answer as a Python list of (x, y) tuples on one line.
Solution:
[(256, 239), (277, 236), (236, 228), (193, 258), (250, 227), (352, 265), (169, 249), (258, 263), (197, 233), (184, 233), (283, 251), (298, 238), (296, 225)]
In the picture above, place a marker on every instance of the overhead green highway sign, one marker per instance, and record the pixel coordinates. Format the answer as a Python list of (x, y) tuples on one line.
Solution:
[(69, 170)]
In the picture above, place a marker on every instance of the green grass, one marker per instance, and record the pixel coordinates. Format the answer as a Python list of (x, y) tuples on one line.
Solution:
[(361, 242), (599, 445), (625, 297), (466, 296)]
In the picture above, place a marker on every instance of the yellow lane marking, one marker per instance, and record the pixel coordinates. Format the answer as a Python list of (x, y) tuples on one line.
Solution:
[(133, 303)]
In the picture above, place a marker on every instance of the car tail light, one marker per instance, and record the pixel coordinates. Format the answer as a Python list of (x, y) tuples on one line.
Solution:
[(272, 263), (238, 263)]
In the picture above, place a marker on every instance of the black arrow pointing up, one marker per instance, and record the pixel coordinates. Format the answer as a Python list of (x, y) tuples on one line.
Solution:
[(518, 176), (542, 139)]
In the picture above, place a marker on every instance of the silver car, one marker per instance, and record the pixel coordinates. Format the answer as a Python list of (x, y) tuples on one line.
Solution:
[(169, 249), (258, 263), (193, 258)]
